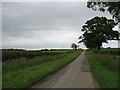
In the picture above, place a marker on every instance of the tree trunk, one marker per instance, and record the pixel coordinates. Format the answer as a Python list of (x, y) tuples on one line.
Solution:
[(98, 47)]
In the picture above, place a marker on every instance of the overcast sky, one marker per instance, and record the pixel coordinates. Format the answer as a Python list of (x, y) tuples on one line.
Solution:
[(36, 25)]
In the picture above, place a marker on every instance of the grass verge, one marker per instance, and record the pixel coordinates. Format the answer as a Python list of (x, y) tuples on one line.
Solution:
[(28, 76), (105, 77)]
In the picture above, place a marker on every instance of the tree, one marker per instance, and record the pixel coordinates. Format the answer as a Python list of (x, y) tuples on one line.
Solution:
[(98, 30), (112, 7), (74, 46)]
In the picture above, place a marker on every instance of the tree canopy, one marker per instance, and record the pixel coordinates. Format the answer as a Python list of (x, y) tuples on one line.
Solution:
[(112, 7), (98, 30), (74, 46)]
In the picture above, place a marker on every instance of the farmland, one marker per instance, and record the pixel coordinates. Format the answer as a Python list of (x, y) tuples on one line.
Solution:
[(104, 65), (10, 54), (33, 66), (114, 51)]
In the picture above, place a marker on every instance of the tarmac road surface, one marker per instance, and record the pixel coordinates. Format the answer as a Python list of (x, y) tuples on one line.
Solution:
[(75, 75)]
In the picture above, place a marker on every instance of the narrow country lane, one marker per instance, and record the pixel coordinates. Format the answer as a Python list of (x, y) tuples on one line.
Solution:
[(76, 75)]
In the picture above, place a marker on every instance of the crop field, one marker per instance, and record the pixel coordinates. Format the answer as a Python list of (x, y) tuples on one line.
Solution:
[(59, 51), (104, 65), (9, 54), (114, 51), (23, 72)]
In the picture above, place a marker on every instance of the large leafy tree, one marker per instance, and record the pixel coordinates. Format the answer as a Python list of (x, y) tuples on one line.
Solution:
[(112, 7), (74, 46), (98, 30)]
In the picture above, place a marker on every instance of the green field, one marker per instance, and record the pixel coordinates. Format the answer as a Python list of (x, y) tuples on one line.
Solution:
[(114, 51), (10, 54), (69, 50), (105, 66), (25, 72)]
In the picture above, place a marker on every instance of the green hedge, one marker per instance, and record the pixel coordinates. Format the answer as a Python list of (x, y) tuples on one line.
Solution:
[(8, 54)]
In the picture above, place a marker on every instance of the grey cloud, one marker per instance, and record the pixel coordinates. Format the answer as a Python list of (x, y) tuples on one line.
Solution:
[(26, 19), (20, 17)]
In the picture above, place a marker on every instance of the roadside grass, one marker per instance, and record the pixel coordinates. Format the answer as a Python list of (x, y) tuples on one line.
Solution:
[(22, 63), (104, 68), (30, 75), (109, 61)]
